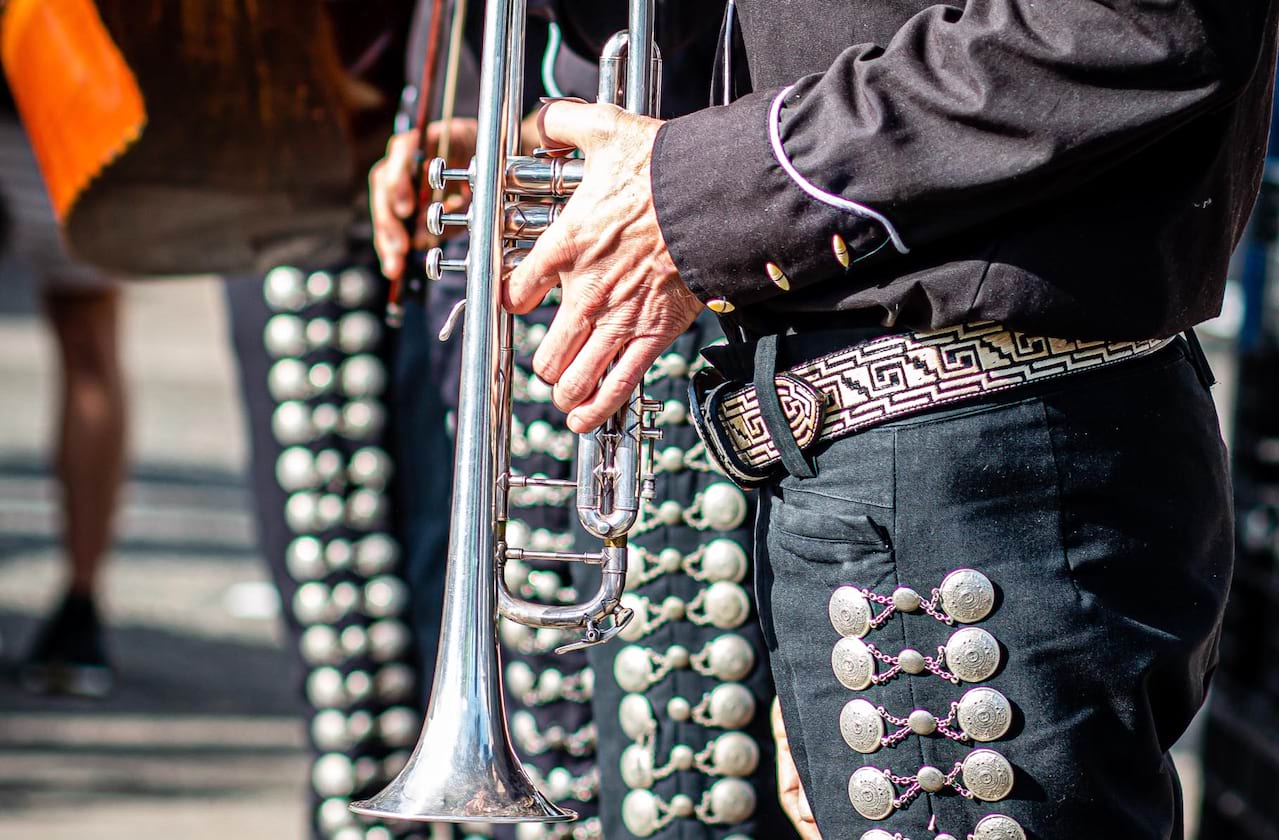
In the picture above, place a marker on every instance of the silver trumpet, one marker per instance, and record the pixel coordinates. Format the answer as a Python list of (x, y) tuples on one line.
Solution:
[(464, 768)]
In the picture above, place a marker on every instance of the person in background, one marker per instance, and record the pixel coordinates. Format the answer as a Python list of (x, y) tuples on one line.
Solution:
[(81, 305)]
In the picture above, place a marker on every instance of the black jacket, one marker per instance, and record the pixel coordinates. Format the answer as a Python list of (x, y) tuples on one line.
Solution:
[(1074, 168)]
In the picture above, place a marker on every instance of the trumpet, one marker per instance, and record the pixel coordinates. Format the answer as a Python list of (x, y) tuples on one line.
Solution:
[(464, 768)]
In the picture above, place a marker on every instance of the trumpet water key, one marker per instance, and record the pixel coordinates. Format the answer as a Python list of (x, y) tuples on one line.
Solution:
[(464, 769)]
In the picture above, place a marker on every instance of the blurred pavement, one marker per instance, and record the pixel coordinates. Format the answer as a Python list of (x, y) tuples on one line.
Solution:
[(202, 738)]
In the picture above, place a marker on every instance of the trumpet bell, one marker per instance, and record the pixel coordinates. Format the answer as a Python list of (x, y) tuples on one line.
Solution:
[(476, 778)]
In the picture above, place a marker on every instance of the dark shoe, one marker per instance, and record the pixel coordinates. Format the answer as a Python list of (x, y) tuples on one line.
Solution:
[(69, 656)]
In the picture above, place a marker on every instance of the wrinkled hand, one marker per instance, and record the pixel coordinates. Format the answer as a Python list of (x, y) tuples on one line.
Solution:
[(622, 297), (391, 197), (789, 789)]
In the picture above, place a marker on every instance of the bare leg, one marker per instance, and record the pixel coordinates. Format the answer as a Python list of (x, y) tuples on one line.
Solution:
[(90, 458)]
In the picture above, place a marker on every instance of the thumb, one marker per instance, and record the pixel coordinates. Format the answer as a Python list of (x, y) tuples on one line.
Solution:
[(567, 122)]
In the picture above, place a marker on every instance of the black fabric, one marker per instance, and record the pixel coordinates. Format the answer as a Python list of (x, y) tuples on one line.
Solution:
[(770, 408), (1071, 168), (1099, 507)]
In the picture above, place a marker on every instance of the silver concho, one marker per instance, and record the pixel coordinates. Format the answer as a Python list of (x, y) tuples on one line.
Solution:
[(871, 793), (633, 668), (724, 560), (637, 767), (729, 657), (333, 775), (730, 706), (735, 754), (988, 775), (972, 654), (727, 605), (967, 595), (861, 725), (985, 714), (853, 663), (731, 801), (724, 506), (877, 834), (640, 813), (998, 827), (849, 612)]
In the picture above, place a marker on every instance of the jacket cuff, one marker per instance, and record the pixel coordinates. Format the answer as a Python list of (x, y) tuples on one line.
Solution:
[(740, 227)]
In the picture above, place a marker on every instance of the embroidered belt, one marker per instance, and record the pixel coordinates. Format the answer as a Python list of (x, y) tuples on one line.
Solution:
[(895, 376)]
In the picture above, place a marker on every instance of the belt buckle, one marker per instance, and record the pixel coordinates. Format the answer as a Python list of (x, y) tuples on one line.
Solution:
[(707, 390)]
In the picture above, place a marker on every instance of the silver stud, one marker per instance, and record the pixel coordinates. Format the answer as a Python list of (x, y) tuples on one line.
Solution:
[(398, 726), (720, 306), (291, 423), (972, 654), (333, 814), (637, 766), (635, 713), (354, 641), (363, 376), (731, 801), (998, 827), (328, 512), (338, 554), (853, 664), (284, 336), (328, 731), (344, 598), (300, 512), (319, 378), (912, 661), (388, 639), (729, 658), (325, 418), (356, 287), (984, 714), (640, 813), (945, 837), (674, 365), (682, 805), (325, 688), (365, 509), (360, 725), (362, 419), (329, 465), (725, 560), (678, 709), (358, 332), (724, 506), (871, 793), (320, 286), (674, 412), (862, 726), (678, 656), (332, 775), (304, 558), (385, 596), (319, 333), (295, 469), (840, 247), (931, 779), (779, 278), (319, 645), (633, 668), (988, 775), (394, 683), (376, 554), (371, 467), (287, 380), (967, 595), (727, 605), (520, 678), (735, 754), (877, 834), (311, 603), (671, 459), (284, 288), (670, 512), (906, 599), (849, 612), (922, 722)]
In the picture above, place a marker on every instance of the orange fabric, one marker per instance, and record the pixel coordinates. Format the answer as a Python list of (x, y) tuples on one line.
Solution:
[(78, 99)]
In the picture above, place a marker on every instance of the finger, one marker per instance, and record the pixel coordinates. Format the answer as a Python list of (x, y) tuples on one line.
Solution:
[(540, 270), (390, 239), (616, 389), (580, 379), (564, 122), (397, 175), (559, 347)]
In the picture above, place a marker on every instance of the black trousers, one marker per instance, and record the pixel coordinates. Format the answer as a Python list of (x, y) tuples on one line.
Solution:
[(1099, 508)]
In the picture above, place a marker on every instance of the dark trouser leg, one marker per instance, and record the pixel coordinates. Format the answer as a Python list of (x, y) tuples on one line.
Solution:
[(1099, 509)]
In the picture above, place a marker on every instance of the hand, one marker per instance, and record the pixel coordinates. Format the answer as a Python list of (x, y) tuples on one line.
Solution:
[(622, 296), (391, 197), (789, 789)]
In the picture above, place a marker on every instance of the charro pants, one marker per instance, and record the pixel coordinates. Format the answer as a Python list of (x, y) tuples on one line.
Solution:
[(1098, 509)]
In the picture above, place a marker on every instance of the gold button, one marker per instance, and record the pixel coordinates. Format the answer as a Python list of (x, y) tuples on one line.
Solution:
[(720, 306), (840, 247), (778, 277)]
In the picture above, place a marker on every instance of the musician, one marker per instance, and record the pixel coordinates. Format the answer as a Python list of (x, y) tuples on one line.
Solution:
[(992, 607)]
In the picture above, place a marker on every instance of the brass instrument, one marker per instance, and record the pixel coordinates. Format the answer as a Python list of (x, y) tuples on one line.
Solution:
[(463, 768)]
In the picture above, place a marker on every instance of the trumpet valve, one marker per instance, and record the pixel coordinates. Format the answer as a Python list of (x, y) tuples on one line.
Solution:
[(437, 220), (436, 265), (438, 173)]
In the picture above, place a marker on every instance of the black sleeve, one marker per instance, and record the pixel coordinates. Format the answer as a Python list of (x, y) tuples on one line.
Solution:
[(963, 117)]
